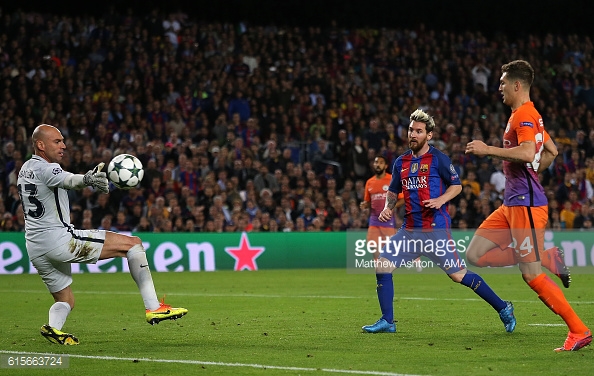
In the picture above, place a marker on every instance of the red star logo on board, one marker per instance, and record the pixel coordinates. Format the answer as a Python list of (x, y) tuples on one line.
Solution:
[(245, 255)]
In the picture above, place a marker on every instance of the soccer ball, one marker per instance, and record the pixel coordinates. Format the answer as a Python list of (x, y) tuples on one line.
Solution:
[(125, 171)]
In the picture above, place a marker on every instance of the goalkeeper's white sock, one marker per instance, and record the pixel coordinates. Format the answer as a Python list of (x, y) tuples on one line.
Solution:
[(139, 269), (58, 313)]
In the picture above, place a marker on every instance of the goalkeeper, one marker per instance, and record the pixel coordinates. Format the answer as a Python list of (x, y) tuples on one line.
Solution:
[(53, 244)]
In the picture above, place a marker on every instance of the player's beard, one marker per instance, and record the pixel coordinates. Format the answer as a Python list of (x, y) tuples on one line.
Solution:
[(379, 171), (417, 145)]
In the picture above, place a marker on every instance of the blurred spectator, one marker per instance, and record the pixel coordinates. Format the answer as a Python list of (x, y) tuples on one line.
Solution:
[(497, 178), (321, 156), (121, 222), (580, 221), (562, 191), (264, 179), (101, 210), (359, 160), (472, 182), (106, 224), (239, 105)]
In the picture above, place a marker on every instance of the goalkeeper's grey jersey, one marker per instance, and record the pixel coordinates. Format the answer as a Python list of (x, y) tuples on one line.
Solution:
[(45, 204)]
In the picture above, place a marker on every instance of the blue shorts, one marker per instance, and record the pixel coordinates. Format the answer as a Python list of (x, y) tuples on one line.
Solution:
[(437, 245)]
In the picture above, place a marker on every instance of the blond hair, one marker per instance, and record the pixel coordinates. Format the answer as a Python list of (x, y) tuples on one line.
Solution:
[(423, 117)]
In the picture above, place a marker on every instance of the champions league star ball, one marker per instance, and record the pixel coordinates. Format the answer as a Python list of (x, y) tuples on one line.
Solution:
[(125, 171)]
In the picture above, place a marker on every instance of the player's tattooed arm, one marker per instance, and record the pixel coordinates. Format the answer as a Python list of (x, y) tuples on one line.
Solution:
[(391, 200)]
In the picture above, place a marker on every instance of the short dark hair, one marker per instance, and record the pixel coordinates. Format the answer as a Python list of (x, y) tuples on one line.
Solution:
[(520, 70), (382, 157)]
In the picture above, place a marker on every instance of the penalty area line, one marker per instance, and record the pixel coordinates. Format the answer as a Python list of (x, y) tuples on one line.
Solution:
[(220, 364)]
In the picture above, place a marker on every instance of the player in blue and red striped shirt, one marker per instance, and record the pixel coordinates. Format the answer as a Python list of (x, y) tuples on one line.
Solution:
[(421, 178), (428, 181)]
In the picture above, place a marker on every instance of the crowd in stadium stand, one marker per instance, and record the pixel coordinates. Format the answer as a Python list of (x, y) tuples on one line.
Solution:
[(265, 128)]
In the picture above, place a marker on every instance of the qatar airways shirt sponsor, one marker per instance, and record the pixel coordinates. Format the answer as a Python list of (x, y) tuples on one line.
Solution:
[(414, 183)]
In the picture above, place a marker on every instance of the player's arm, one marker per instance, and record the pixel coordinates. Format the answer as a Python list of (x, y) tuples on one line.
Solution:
[(366, 203), (392, 195), (391, 200), (438, 202), (93, 178), (450, 178), (548, 155), (74, 181), (523, 153)]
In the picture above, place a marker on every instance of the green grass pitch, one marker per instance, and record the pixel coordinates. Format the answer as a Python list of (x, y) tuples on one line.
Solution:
[(292, 322)]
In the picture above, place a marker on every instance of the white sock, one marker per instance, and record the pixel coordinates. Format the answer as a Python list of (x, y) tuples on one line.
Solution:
[(139, 269), (58, 313)]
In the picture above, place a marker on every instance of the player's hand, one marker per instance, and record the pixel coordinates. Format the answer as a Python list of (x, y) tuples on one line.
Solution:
[(97, 179), (434, 203), (364, 205), (385, 215), (477, 148)]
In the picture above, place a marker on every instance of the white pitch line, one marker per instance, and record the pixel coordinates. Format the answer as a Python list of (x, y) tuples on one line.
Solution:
[(271, 296), (222, 364), (547, 324)]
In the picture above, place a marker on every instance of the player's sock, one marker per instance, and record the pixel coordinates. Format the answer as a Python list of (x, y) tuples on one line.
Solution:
[(477, 284), (497, 257), (385, 295), (58, 313), (139, 269), (553, 297)]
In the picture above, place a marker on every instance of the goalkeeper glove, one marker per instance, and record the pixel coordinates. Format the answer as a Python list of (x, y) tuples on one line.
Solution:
[(97, 179)]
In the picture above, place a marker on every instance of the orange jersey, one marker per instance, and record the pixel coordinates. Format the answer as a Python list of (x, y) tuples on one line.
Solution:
[(375, 193), (522, 187)]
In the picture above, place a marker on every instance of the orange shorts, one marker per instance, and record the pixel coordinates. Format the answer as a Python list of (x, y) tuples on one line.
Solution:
[(519, 227), (376, 232)]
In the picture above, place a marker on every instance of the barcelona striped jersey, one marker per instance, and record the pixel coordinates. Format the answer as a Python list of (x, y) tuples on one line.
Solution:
[(423, 178)]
